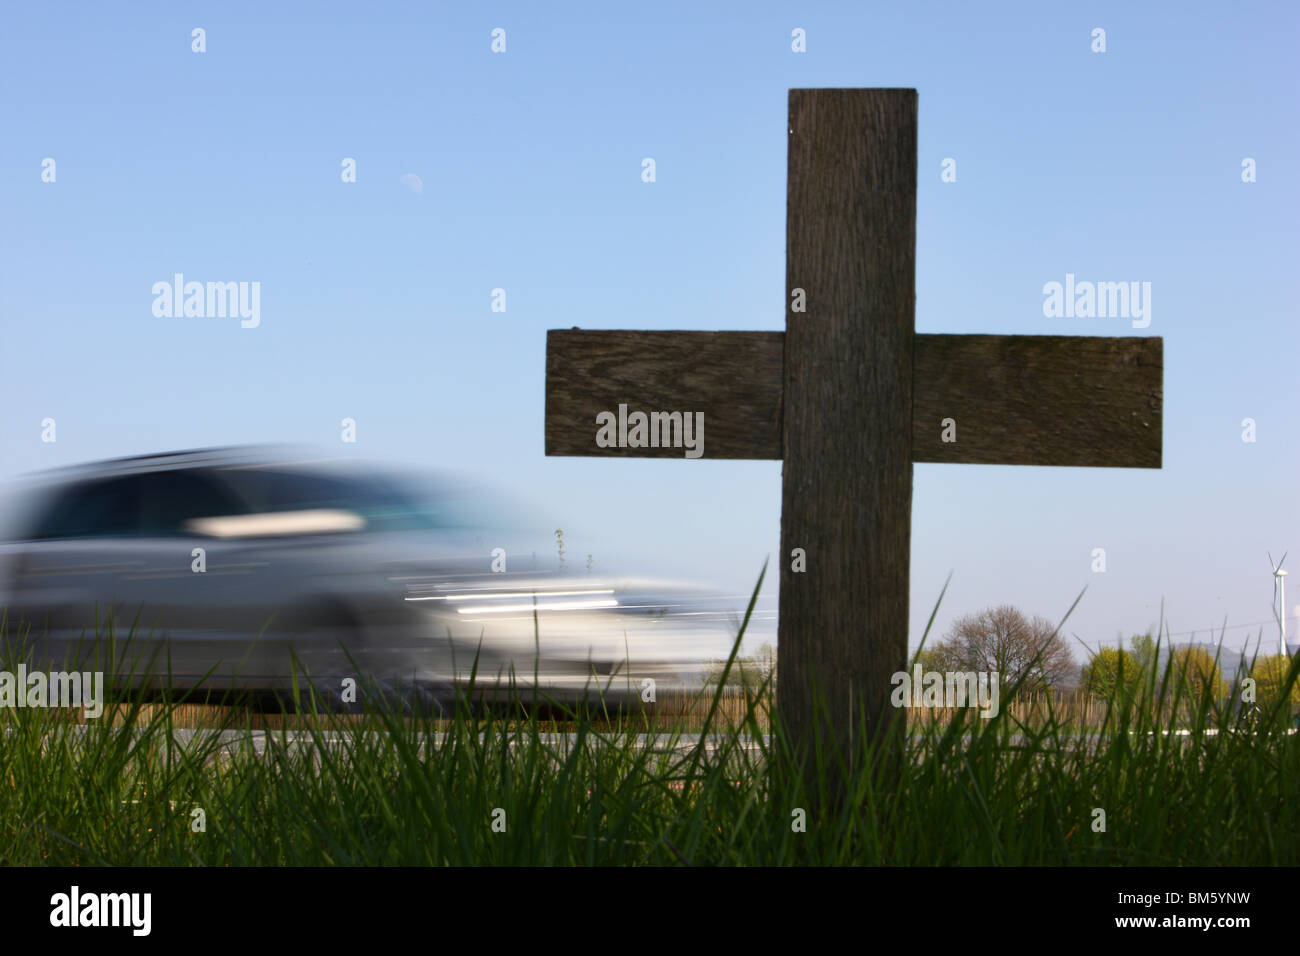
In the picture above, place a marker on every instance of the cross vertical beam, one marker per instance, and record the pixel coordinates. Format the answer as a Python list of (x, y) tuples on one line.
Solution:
[(847, 430), (849, 396)]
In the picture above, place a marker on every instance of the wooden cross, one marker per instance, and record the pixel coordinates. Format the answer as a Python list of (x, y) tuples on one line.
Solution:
[(848, 397)]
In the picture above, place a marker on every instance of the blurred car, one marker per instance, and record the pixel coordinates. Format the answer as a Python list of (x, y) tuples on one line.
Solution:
[(229, 570)]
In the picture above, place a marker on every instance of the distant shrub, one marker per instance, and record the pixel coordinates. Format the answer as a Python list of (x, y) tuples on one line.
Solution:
[(1196, 671), (1270, 675), (1112, 669)]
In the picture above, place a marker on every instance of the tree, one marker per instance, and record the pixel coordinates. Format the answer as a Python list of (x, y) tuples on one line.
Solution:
[(1002, 639), (749, 672), (1270, 676), (935, 659), (1109, 670), (1196, 670), (1143, 648)]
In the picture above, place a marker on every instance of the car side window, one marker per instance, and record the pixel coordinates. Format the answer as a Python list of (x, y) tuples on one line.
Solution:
[(171, 498), (94, 509)]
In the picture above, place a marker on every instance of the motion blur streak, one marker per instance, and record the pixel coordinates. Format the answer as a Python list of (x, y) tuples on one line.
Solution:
[(514, 608), (513, 594), (242, 561)]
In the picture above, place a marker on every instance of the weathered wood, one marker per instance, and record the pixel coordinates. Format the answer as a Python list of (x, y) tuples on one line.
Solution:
[(847, 482), (1038, 400), (1016, 399), (734, 378), (849, 396)]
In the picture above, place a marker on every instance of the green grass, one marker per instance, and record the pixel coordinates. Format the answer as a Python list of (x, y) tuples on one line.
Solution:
[(385, 788)]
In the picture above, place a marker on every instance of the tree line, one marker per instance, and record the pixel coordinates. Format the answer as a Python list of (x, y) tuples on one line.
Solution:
[(1031, 654)]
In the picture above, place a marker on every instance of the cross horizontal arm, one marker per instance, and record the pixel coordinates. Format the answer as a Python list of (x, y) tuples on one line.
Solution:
[(734, 378), (1012, 399), (1076, 400)]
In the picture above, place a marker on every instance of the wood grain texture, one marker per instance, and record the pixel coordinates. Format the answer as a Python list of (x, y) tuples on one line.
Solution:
[(1039, 400), (1071, 400), (734, 378), (849, 396), (847, 477)]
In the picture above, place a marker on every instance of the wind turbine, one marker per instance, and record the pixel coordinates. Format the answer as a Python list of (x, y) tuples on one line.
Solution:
[(1279, 586)]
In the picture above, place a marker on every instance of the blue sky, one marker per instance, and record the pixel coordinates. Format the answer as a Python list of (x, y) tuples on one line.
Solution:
[(375, 298)]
